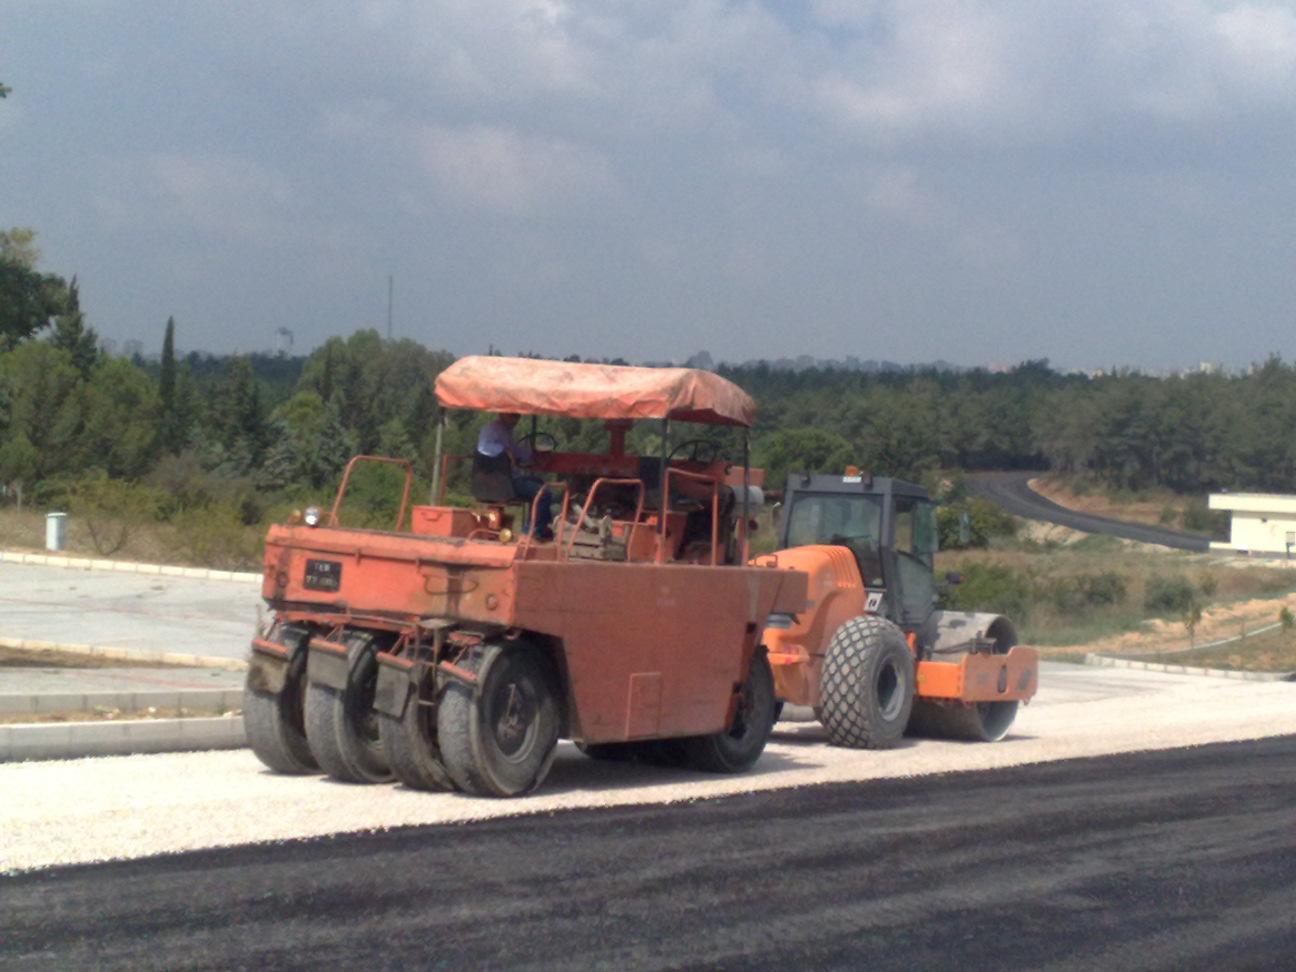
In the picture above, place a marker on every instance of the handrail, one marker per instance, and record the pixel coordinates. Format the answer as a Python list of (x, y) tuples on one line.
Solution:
[(346, 476), (715, 508), (529, 535), (589, 501)]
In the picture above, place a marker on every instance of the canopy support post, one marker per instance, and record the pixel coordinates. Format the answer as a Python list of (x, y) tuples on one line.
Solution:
[(436, 461)]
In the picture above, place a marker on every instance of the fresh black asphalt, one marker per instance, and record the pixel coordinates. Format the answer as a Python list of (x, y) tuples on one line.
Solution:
[(1184, 859), (1011, 491)]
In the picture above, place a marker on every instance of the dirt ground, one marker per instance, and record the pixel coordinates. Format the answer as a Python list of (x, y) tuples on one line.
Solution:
[(1268, 652), (25, 658)]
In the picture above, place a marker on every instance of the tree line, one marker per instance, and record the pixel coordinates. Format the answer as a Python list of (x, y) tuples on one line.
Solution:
[(245, 431)]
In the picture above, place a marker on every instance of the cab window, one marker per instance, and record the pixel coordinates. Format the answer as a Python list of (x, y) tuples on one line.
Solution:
[(828, 519)]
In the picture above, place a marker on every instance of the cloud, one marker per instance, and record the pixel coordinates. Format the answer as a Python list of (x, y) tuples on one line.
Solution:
[(1025, 70), (509, 172)]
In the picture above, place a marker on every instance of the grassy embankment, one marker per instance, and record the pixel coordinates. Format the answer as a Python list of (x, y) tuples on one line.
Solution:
[(1070, 593)]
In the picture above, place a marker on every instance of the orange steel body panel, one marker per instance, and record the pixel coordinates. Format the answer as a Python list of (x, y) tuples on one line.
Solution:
[(834, 595), (443, 521), (651, 650), (981, 677)]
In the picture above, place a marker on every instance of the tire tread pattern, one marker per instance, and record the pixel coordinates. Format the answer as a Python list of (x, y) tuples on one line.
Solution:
[(848, 706)]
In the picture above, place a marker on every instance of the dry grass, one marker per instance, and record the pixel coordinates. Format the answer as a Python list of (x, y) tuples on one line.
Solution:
[(1144, 507), (1234, 596), (197, 540)]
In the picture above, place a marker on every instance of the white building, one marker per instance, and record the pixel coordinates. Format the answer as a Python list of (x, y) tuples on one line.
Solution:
[(1261, 523)]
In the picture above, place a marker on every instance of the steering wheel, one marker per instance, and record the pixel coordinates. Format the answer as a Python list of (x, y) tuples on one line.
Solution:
[(538, 442), (700, 450)]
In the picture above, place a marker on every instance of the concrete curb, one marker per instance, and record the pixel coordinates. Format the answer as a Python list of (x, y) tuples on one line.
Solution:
[(197, 700), (87, 563), (130, 654), (73, 740), (1106, 661)]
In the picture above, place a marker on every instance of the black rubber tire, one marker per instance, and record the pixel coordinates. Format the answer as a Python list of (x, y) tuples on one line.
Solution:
[(274, 723), (979, 722), (411, 746), (342, 727), (498, 737), (738, 747), (867, 685)]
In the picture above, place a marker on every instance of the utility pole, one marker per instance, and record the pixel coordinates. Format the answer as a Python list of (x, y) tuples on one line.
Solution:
[(391, 284)]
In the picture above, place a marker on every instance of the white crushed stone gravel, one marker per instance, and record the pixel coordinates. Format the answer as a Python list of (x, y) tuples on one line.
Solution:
[(80, 811)]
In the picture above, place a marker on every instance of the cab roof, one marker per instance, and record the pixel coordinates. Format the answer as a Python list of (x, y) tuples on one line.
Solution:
[(530, 386)]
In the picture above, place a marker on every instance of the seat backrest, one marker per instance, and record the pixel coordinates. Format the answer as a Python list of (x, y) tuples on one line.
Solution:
[(492, 479)]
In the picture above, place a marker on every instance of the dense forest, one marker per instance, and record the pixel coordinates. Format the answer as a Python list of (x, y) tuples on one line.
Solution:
[(242, 433)]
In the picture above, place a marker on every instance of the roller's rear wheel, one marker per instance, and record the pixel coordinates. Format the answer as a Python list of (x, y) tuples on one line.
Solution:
[(342, 726), (498, 737), (274, 723), (867, 685), (738, 747)]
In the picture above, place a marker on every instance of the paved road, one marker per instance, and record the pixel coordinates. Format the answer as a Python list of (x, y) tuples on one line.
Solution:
[(120, 610), (1184, 859), (1011, 492)]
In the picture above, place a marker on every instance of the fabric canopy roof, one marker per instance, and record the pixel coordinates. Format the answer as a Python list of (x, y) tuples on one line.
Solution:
[(534, 387)]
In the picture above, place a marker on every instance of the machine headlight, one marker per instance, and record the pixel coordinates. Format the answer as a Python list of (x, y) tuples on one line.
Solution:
[(312, 516)]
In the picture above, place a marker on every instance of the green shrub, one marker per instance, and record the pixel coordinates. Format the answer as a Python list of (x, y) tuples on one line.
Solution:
[(972, 523), (992, 587), (113, 510), (217, 537), (1197, 516), (1077, 593), (1169, 595)]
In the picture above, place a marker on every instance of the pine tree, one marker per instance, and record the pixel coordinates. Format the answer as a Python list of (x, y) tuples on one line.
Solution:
[(72, 335)]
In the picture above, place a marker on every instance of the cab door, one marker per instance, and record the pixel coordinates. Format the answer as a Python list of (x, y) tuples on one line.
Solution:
[(913, 586)]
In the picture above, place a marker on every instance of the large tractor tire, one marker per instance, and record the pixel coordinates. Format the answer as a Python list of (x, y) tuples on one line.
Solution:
[(976, 722), (412, 749), (341, 726), (274, 723), (737, 748), (867, 685), (498, 737)]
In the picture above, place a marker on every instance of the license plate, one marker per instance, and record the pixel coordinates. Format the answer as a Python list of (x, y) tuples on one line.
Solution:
[(322, 575)]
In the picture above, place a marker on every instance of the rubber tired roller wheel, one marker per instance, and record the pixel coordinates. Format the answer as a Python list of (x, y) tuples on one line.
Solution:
[(412, 749), (738, 747), (867, 685), (274, 723), (342, 727), (498, 737)]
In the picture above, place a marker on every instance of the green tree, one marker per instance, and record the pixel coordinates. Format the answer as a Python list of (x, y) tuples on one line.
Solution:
[(800, 450), (73, 336), (175, 394), (29, 300)]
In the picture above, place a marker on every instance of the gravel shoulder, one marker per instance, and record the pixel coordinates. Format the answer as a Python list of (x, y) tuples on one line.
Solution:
[(80, 811)]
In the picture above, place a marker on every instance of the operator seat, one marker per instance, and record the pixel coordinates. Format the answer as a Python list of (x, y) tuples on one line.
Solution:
[(492, 479)]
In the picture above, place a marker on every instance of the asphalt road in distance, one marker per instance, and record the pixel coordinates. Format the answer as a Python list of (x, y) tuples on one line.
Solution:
[(1171, 860), (1012, 492)]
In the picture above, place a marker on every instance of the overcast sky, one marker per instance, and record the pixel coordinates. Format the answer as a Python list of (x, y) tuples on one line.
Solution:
[(1097, 182)]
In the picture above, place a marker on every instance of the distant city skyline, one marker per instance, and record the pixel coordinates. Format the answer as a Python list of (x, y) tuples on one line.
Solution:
[(1105, 184)]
